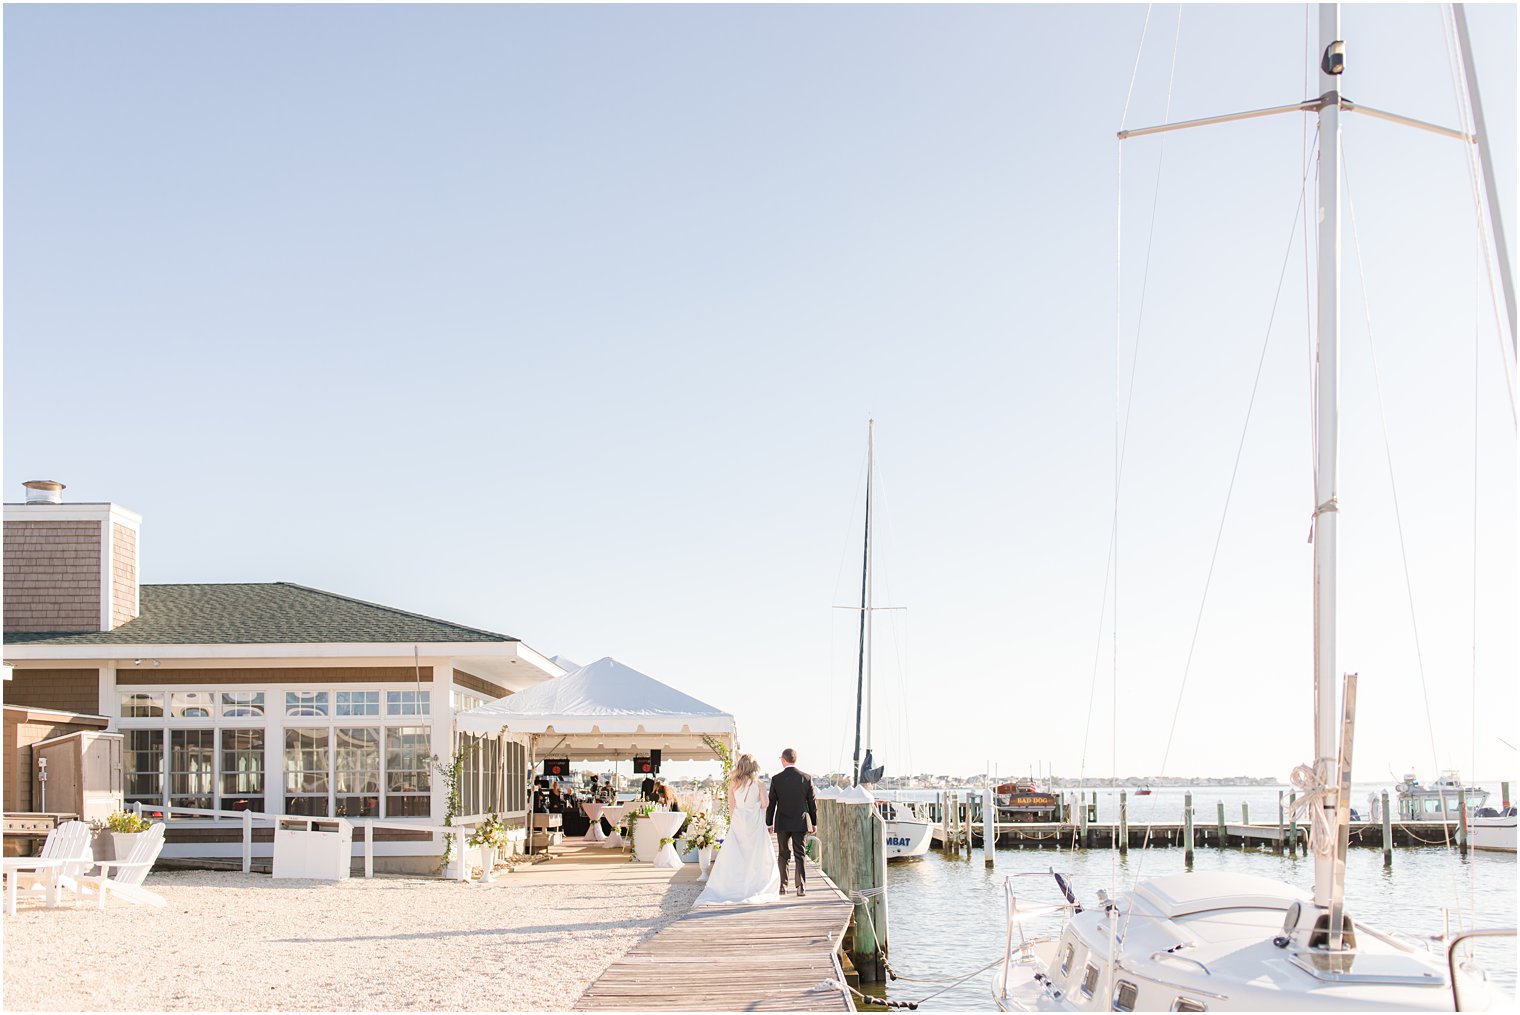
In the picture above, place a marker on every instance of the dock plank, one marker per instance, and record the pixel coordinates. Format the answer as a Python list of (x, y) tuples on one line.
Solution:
[(736, 958)]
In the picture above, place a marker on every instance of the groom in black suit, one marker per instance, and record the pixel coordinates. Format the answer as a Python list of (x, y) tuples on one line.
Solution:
[(791, 813)]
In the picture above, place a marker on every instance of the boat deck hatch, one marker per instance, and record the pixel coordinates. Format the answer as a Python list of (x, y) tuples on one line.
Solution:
[(1344, 967)]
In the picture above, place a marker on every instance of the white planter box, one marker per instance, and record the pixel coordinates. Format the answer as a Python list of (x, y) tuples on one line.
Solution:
[(317, 848)]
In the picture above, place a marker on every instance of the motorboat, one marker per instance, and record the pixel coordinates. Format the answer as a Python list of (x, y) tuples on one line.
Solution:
[(1492, 829), (1439, 799)]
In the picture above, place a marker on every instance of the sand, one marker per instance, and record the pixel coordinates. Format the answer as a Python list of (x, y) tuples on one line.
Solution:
[(227, 941)]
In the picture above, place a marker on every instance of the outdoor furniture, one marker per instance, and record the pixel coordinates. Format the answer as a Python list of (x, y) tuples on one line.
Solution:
[(131, 872), (615, 813), (594, 815), (17, 866), (69, 843), (665, 825)]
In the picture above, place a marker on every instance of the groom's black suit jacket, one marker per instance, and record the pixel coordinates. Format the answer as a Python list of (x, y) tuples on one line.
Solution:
[(791, 799)]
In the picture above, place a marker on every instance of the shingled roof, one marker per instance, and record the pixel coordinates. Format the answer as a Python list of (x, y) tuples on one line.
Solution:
[(268, 613)]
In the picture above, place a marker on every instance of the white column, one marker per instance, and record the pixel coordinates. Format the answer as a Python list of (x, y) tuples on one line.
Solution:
[(274, 750)]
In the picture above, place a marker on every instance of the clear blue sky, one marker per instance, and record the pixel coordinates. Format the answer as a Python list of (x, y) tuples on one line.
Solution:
[(566, 322)]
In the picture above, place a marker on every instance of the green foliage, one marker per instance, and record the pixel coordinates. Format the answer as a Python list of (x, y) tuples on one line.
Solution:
[(725, 757), (126, 822), (452, 773), (641, 811)]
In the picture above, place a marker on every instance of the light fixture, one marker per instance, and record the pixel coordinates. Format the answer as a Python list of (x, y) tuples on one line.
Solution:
[(1334, 62), (137, 662), (155, 662)]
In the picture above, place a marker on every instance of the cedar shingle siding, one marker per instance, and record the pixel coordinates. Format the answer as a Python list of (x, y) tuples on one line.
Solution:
[(62, 690), (52, 576), (123, 574)]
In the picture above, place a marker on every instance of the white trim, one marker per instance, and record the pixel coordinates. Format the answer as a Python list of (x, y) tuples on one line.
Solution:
[(109, 706), (57, 711), (107, 571), (72, 513), (354, 653)]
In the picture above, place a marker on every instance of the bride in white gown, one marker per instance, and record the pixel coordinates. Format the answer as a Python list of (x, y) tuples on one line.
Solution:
[(745, 868)]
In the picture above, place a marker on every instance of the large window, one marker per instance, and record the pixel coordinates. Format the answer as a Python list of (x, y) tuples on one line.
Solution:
[(408, 782), (306, 771), (335, 756), (242, 770), (192, 767), (142, 756), (356, 771)]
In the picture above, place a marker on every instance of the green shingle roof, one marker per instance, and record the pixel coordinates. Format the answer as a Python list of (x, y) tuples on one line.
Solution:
[(260, 614)]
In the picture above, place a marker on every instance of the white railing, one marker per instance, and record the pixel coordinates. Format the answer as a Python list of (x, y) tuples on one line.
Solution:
[(246, 817)]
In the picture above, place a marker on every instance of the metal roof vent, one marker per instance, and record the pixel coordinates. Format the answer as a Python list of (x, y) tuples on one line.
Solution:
[(44, 491)]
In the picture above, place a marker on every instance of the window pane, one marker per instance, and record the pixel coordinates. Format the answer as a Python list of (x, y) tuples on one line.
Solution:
[(191, 704), (142, 758), (356, 769), (305, 704), (358, 703), (192, 761), (306, 771), (408, 757), (142, 705), (407, 702), (242, 704), (242, 770)]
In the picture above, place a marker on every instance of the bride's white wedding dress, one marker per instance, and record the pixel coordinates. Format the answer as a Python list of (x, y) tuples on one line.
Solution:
[(745, 868)]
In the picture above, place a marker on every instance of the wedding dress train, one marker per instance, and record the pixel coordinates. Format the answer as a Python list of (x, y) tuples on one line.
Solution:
[(744, 871)]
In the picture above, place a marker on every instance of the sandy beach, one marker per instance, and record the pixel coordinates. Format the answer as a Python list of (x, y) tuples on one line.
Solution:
[(227, 941)]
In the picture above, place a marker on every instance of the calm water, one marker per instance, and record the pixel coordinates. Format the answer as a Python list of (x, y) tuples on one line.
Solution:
[(947, 914)]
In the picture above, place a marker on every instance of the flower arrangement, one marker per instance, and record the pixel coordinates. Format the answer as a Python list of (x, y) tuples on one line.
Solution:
[(703, 832), (633, 816), (490, 833), (127, 822)]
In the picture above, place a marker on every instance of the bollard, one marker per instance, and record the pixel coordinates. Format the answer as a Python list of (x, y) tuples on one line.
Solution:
[(1387, 833), (1187, 826), (1223, 834), (1123, 822), (1462, 820)]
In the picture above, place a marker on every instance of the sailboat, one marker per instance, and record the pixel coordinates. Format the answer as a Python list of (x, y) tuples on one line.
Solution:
[(1217, 941), (906, 834)]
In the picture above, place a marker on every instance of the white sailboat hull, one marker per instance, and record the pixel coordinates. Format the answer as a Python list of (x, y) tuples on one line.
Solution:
[(907, 838)]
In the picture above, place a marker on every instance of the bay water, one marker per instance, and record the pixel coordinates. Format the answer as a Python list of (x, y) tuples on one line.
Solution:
[(946, 915)]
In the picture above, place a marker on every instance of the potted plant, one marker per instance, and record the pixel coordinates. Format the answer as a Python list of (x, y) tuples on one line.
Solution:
[(124, 827), (490, 835)]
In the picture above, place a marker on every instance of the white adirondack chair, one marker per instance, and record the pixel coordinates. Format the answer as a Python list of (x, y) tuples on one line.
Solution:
[(127, 882), (69, 842)]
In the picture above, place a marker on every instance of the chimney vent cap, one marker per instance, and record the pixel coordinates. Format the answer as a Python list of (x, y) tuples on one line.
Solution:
[(44, 491)]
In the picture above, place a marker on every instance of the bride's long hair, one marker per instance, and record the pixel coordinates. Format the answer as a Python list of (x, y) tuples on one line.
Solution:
[(745, 770)]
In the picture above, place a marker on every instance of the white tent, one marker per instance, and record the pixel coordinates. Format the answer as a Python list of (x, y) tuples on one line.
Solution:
[(604, 711)]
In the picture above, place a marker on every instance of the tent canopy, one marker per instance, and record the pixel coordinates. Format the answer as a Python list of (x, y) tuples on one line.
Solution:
[(604, 712)]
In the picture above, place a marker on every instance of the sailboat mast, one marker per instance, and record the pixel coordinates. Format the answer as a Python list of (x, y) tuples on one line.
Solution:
[(865, 595), (870, 609), (1327, 463)]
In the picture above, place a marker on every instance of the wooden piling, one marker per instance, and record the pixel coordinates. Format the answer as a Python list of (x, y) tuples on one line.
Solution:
[(1462, 820), (989, 827), (1293, 824), (1221, 833), (1277, 847), (1187, 826), (1245, 813), (1387, 833), (1123, 821), (855, 858), (1504, 794), (1082, 833)]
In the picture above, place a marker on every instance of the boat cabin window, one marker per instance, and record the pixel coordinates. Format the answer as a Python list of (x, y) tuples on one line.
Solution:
[(1188, 1004), (1067, 954), (1089, 980), (1124, 996)]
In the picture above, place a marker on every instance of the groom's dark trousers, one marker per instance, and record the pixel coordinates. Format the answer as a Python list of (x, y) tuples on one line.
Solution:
[(792, 811)]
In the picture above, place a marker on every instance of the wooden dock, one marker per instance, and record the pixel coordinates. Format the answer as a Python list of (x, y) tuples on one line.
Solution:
[(737, 958), (1107, 834)]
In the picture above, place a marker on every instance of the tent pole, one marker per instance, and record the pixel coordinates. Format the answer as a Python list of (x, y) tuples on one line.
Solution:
[(532, 764)]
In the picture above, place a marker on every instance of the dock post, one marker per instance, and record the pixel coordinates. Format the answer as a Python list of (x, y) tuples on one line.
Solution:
[(1187, 827), (989, 827), (1082, 825), (1223, 833), (1504, 794), (1462, 820), (1123, 822), (1293, 825), (1245, 813), (854, 856), (1281, 832), (1387, 833)]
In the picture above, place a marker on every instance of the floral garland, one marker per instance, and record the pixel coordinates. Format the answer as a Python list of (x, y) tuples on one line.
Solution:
[(725, 757), (451, 775)]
